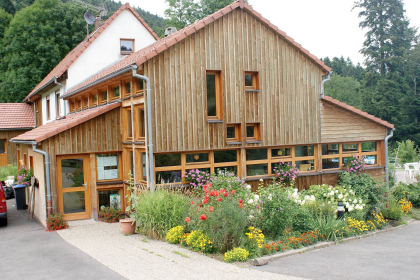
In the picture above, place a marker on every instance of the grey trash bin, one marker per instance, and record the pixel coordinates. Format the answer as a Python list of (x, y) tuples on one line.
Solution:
[(20, 197)]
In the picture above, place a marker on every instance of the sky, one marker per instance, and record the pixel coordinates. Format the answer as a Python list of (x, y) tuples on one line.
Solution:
[(324, 27)]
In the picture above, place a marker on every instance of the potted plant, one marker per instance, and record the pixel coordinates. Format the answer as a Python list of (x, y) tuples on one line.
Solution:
[(128, 225)]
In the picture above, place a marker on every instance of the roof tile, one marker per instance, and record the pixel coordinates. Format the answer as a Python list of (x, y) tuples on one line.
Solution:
[(16, 115)]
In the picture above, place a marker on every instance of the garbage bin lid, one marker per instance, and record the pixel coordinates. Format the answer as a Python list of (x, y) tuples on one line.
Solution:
[(20, 186)]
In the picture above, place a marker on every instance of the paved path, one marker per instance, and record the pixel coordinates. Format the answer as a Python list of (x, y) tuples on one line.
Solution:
[(391, 255), (27, 251), (138, 257)]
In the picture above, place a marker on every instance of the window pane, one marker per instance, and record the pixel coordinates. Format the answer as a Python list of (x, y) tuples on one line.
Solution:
[(107, 166), (227, 169), (129, 130), (211, 94), (105, 95), (166, 177), (143, 166), (329, 149), (230, 132), (250, 131), (72, 173), (2, 146), (130, 155), (128, 87), (348, 148), (127, 45), (330, 163), (256, 154), (257, 169), (370, 160), (74, 202), (304, 151), (109, 198), (248, 80), (283, 152), (116, 91), (95, 98), (198, 157), (369, 147), (167, 160), (225, 156), (140, 85), (142, 128), (305, 165)]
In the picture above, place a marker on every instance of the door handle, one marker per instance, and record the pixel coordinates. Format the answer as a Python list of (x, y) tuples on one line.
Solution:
[(85, 184)]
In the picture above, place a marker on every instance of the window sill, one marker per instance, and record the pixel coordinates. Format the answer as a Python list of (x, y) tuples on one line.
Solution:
[(252, 90), (139, 142), (233, 143), (253, 142), (101, 183), (215, 121)]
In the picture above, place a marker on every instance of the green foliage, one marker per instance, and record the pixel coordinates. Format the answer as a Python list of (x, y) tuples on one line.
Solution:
[(198, 241), (8, 170), (181, 13), (364, 185), (345, 89), (5, 18), (345, 68), (394, 212), (160, 211), (410, 192), (56, 222), (415, 213), (236, 255), (8, 6), (253, 242), (328, 226), (407, 152)]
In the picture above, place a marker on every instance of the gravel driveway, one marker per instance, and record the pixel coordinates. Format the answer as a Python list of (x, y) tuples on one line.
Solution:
[(137, 257)]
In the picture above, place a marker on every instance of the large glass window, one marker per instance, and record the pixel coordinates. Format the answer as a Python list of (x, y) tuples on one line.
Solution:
[(225, 156), (256, 154), (304, 151), (108, 166), (335, 155), (197, 158), (109, 198), (162, 160)]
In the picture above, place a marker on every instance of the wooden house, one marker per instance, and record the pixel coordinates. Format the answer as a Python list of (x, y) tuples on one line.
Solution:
[(229, 92)]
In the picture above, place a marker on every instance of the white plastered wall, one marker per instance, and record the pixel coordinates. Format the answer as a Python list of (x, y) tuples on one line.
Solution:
[(53, 105), (106, 48)]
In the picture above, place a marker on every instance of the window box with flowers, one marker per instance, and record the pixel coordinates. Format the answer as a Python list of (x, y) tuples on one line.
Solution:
[(286, 171)]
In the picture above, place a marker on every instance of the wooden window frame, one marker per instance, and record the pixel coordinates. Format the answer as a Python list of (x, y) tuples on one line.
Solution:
[(19, 164), (199, 165), (48, 107), (127, 52), (272, 161), (120, 166), (110, 188), (255, 81), (137, 110), (111, 91), (126, 127), (57, 103), (341, 154), (218, 95), (139, 164), (237, 128), (5, 145), (101, 99), (257, 132), (78, 104), (72, 105), (135, 86), (85, 101), (123, 88), (92, 102)]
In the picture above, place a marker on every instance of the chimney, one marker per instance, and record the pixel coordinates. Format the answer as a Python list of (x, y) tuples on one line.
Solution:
[(98, 22)]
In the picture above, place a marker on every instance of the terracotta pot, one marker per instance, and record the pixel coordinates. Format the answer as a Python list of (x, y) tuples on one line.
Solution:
[(128, 225)]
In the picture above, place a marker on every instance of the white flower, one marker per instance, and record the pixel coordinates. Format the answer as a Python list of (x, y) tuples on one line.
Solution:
[(360, 201), (269, 197), (325, 194), (336, 191), (351, 208), (347, 205), (256, 197), (340, 196), (248, 187), (261, 180), (250, 201), (355, 200), (331, 193), (251, 217), (344, 199)]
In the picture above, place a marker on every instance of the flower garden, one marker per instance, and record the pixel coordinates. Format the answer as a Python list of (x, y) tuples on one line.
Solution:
[(222, 217)]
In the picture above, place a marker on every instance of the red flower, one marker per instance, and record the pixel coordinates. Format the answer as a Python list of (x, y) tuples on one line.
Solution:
[(219, 199), (212, 193), (203, 217), (211, 209), (222, 190), (258, 207), (192, 202), (241, 205), (233, 192), (216, 193), (225, 194), (205, 201), (240, 201), (187, 219), (208, 185)]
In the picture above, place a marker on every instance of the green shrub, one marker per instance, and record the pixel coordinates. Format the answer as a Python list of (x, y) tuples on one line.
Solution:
[(407, 152), (253, 242), (175, 234), (415, 213), (394, 212), (236, 254), (110, 214), (160, 211), (8, 170), (410, 192), (200, 242), (328, 226)]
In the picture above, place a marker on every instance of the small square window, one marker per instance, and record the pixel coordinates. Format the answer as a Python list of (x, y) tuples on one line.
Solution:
[(103, 95), (93, 99), (253, 132), (114, 91), (233, 132), (126, 46), (139, 86), (126, 88), (251, 81)]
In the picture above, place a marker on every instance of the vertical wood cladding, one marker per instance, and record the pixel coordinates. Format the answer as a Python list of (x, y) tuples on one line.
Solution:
[(11, 147), (287, 105)]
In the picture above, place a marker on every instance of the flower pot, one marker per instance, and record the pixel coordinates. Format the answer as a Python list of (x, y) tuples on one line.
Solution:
[(128, 226)]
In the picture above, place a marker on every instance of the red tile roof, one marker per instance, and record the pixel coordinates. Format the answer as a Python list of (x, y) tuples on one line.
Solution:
[(53, 128), (357, 111), (79, 49), (16, 115), (154, 49)]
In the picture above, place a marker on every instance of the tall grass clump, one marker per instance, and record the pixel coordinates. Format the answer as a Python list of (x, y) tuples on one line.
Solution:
[(158, 212), (8, 170)]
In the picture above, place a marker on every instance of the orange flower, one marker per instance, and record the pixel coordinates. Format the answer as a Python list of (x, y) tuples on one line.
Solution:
[(187, 219), (211, 209)]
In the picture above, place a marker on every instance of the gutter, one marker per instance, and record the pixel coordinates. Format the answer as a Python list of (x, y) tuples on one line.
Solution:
[(386, 166), (29, 100), (112, 75), (150, 173), (47, 169), (323, 82), (41, 88), (58, 105)]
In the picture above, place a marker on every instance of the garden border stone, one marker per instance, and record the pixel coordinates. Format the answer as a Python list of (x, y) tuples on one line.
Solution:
[(265, 260)]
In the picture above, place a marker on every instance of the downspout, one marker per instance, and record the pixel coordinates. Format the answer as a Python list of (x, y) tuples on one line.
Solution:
[(150, 178), (57, 83), (47, 175), (132, 138), (29, 99), (386, 166), (324, 81)]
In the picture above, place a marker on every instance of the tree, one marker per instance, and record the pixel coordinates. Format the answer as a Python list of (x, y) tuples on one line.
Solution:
[(407, 152), (8, 6), (181, 13), (5, 18), (345, 89), (388, 35), (38, 37), (345, 67)]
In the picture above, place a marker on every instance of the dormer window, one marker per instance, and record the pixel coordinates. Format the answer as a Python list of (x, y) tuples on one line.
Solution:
[(126, 46)]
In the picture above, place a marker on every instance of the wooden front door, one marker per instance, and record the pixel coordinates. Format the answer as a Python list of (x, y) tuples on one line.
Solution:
[(3, 152), (73, 186)]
